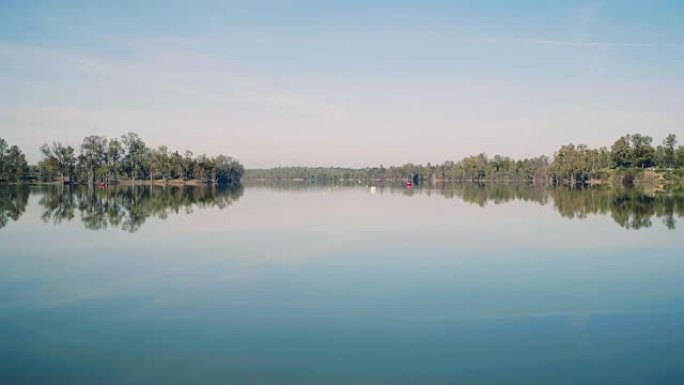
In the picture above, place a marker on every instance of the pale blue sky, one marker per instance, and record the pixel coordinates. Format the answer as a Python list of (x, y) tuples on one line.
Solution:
[(350, 83)]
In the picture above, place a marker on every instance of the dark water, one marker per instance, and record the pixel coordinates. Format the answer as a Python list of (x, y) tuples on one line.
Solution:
[(461, 284)]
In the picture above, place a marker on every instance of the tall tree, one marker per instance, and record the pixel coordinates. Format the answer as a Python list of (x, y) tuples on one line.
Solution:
[(159, 163), (14, 165), (642, 151), (188, 165), (621, 152), (204, 168), (3, 148), (135, 156), (93, 155), (679, 157), (113, 159), (176, 160), (669, 144), (60, 159)]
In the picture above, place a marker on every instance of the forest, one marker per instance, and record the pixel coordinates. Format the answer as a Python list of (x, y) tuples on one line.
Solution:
[(570, 164), (126, 159)]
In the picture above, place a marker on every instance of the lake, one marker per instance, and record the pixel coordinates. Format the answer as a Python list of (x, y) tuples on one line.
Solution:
[(304, 284)]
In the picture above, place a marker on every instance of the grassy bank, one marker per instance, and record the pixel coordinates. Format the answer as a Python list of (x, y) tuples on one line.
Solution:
[(666, 179)]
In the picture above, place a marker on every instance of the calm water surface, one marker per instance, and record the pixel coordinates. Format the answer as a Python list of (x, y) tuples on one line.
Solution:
[(462, 284)]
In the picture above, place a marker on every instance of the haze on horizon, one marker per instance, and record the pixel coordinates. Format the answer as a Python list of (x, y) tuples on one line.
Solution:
[(346, 83)]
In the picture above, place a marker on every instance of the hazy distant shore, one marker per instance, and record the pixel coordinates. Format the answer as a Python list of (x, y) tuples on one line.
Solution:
[(656, 178)]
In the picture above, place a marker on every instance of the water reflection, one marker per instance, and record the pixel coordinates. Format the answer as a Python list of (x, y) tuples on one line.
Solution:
[(632, 208), (127, 207), (13, 200)]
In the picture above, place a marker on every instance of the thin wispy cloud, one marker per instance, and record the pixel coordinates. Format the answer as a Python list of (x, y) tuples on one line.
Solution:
[(577, 44), (598, 44), (155, 41)]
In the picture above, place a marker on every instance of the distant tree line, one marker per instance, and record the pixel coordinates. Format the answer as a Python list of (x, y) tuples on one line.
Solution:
[(99, 159), (477, 168), (572, 164)]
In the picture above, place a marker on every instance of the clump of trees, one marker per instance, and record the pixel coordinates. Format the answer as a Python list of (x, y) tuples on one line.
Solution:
[(100, 159), (579, 164), (13, 165), (480, 168)]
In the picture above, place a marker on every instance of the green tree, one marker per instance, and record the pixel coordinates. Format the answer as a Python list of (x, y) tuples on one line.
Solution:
[(204, 168), (669, 145), (113, 164), (159, 163), (188, 165), (621, 152), (93, 155), (572, 164), (3, 148), (59, 159), (14, 165), (176, 160), (227, 170), (642, 151), (135, 155), (679, 157)]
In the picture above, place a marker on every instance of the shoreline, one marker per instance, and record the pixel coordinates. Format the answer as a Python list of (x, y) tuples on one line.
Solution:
[(170, 182)]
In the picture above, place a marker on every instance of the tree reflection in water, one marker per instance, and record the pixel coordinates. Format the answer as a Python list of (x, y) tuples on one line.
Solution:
[(632, 208), (127, 207), (13, 201)]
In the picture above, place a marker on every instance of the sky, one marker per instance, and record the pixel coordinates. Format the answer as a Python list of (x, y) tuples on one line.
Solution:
[(345, 83)]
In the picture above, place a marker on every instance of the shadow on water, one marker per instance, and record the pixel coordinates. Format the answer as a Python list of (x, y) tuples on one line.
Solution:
[(124, 207), (127, 207)]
